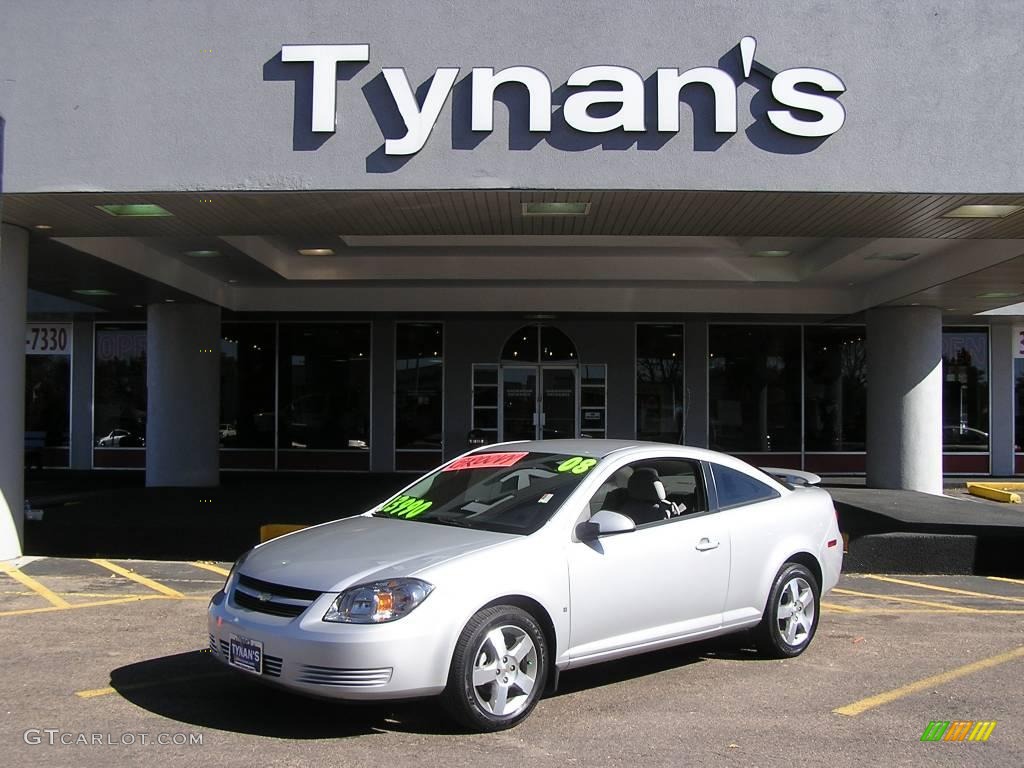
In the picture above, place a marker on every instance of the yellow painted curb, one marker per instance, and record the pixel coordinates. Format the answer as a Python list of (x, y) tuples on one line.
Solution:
[(1002, 492), (273, 530)]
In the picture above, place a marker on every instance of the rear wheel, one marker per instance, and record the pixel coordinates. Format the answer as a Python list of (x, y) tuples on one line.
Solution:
[(498, 670), (791, 615)]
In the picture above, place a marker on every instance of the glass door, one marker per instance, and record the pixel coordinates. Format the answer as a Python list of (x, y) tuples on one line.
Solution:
[(519, 403), (557, 403)]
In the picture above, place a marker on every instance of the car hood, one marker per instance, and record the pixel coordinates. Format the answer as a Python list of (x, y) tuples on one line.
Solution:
[(334, 556)]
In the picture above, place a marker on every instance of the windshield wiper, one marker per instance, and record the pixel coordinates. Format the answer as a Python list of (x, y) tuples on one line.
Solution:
[(459, 522)]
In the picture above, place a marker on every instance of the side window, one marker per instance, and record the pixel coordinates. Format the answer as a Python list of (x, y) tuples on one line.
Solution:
[(736, 488), (653, 490)]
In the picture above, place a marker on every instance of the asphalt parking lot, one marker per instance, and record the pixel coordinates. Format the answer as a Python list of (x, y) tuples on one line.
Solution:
[(112, 654)]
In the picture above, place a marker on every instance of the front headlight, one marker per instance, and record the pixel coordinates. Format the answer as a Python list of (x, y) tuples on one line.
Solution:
[(378, 601)]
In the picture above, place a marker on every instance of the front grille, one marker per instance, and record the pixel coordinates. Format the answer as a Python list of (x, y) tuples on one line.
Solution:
[(365, 678), (245, 600), (273, 599), (296, 593), (271, 664)]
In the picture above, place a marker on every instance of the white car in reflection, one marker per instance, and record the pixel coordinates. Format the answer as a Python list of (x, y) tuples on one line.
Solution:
[(483, 580)]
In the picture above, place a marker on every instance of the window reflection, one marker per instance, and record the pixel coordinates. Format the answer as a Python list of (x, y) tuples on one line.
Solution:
[(965, 390), (835, 388), (324, 396), (418, 385), (660, 389), (1018, 379), (247, 385), (754, 388), (119, 404)]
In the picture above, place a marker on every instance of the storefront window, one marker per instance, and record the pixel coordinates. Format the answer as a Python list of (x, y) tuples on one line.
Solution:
[(47, 408), (247, 385), (835, 388), (324, 397), (965, 390), (419, 381), (119, 408), (593, 401), (754, 388), (1018, 379), (660, 389)]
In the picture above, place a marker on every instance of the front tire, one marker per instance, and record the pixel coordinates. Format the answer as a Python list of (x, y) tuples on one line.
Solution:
[(791, 614), (498, 670)]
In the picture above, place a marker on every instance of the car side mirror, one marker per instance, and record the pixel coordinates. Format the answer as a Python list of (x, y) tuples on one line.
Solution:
[(604, 523)]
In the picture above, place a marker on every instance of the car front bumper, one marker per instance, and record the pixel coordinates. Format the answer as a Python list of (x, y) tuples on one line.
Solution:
[(407, 658)]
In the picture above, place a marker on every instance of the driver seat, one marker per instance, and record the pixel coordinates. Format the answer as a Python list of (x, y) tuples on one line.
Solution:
[(644, 499)]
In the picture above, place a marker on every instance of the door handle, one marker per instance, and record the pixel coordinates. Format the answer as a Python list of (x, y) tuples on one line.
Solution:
[(705, 544)]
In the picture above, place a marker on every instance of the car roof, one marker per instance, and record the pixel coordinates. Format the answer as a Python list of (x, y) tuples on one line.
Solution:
[(601, 448)]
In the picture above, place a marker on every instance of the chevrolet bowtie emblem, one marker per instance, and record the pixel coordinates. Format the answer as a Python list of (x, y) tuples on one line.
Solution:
[(263, 597)]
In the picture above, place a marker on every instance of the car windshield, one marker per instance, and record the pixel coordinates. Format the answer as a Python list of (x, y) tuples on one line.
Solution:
[(508, 492)]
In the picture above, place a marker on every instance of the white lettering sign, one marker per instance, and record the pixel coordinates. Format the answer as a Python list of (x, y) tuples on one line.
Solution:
[(789, 89), (1018, 341), (48, 339)]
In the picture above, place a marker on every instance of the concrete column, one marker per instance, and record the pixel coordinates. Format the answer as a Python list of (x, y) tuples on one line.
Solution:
[(81, 394), (904, 429), (382, 416), (696, 351), (183, 395), (1001, 420), (13, 299)]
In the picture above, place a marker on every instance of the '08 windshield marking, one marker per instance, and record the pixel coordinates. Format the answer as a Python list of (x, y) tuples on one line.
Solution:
[(504, 492)]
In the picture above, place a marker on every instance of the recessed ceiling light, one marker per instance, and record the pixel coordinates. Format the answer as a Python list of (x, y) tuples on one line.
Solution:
[(232, 281), (316, 251), (137, 210), (168, 301), (982, 211), (202, 254), (999, 295), (771, 254), (891, 256), (137, 306), (93, 292), (952, 309), (43, 226), (556, 209)]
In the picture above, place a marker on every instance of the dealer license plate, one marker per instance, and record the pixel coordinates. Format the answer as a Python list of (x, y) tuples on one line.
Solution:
[(246, 654)]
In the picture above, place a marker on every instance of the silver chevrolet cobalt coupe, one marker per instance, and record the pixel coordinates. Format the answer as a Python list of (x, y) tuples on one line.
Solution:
[(487, 577)]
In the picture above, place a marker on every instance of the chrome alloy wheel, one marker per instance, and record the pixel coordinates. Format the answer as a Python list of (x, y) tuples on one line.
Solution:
[(505, 670), (795, 611)]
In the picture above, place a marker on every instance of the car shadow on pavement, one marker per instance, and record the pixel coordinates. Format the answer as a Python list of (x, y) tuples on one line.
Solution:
[(194, 688), (733, 647)]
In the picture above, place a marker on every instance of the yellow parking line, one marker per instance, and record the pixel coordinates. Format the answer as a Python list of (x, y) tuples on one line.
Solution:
[(950, 590), (910, 600), (154, 585), (1004, 578), (52, 597), (841, 608), (72, 606), (210, 567), (859, 707)]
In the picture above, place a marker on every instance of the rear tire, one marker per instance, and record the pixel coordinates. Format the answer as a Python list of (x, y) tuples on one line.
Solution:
[(499, 670), (791, 614)]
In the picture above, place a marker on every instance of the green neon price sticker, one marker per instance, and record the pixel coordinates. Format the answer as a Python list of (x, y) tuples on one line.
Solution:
[(577, 465), (406, 506)]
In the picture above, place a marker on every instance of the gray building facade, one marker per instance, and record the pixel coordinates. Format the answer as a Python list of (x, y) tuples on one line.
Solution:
[(362, 237)]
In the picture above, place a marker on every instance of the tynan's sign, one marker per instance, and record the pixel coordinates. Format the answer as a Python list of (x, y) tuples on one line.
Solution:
[(813, 92)]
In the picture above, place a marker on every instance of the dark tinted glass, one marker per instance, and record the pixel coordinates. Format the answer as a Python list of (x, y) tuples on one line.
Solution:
[(324, 396), (47, 398), (419, 374), (835, 388), (522, 346), (247, 385), (1018, 378), (119, 401), (965, 389), (660, 390), (735, 487), (754, 388)]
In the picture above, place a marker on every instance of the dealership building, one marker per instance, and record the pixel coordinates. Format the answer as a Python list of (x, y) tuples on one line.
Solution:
[(265, 236)]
